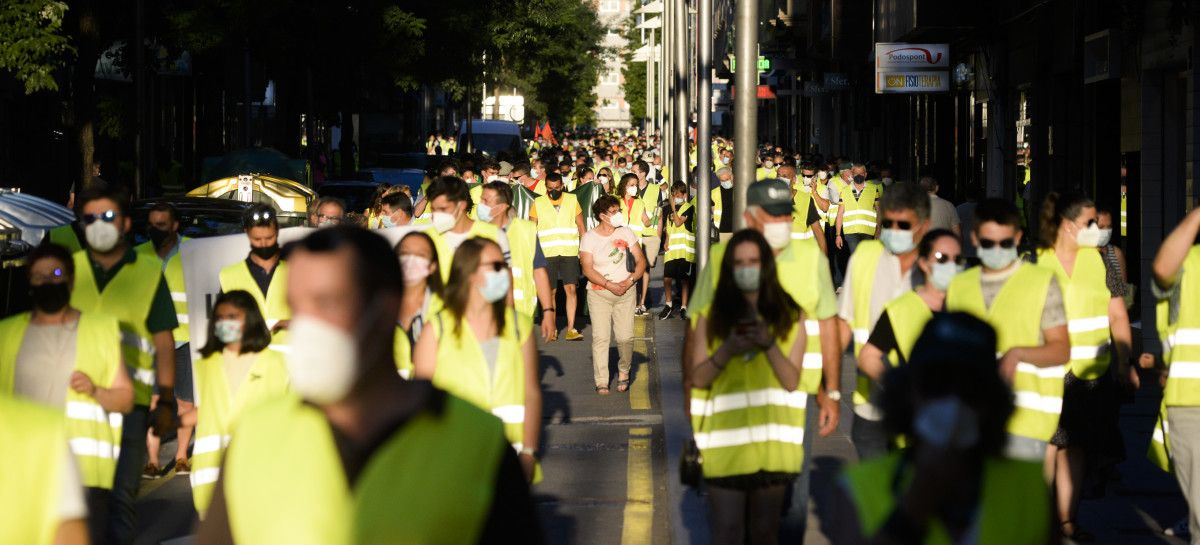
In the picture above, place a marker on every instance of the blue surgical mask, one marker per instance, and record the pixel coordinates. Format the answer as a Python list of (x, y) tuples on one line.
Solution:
[(484, 211), (747, 278), (495, 285), (387, 222), (941, 274), (997, 258), (228, 331), (897, 241)]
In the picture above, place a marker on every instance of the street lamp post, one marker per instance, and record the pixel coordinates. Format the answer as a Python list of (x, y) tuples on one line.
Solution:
[(648, 111), (703, 128), (745, 107), (680, 111)]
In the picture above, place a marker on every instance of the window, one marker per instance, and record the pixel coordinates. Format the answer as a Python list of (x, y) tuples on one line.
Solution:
[(611, 77), (610, 6)]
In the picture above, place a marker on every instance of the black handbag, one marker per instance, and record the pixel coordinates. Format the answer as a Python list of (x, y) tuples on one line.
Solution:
[(691, 465), (630, 261)]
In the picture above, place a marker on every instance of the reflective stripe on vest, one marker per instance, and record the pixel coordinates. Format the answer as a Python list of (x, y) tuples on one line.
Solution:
[(522, 245), (798, 267), (218, 411), (1086, 298), (1016, 313), (451, 453), (681, 243), (556, 227), (1183, 338), (93, 433), (273, 304), (446, 254), (746, 422), (1159, 452), (716, 206), (800, 203), (128, 297), (1124, 215), (858, 216), (863, 265), (34, 437), (1012, 491)]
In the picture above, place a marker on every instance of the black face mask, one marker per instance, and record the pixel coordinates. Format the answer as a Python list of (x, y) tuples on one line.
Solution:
[(265, 252), (554, 194), (158, 236), (50, 298), (860, 179)]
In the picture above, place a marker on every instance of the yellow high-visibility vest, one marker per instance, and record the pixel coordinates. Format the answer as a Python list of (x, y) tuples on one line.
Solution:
[(681, 243), (1016, 314), (858, 215), (1086, 297), (451, 455), (93, 433), (218, 412), (522, 245), (173, 274), (446, 257), (273, 304), (556, 227), (31, 489), (128, 297), (64, 235), (1013, 490)]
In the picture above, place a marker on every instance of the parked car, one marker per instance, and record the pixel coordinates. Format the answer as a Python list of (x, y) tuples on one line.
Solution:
[(201, 217), (355, 194)]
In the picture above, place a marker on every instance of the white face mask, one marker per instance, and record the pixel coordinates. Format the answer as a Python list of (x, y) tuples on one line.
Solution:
[(768, 165), (822, 175), (631, 191), (997, 258), (484, 212), (727, 184), (324, 361), (808, 181), (747, 278), (617, 220), (228, 331), (1088, 237), (495, 285), (102, 236), (415, 268), (533, 173), (778, 234), (940, 274), (897, 241), (1105, 237), (604, 180), (443, 221), (678, 201)]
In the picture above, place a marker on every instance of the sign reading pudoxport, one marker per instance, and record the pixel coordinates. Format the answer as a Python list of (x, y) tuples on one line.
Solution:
[(912, 68)]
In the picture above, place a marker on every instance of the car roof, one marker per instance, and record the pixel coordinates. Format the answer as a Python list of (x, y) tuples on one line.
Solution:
[(490, 126)]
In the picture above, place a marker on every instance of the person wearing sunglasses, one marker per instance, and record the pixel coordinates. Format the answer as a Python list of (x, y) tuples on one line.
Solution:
[(939, 258), (263, 273), (480, 349), (112, 278), (878, 272), (1024, 302), (1095, 313)]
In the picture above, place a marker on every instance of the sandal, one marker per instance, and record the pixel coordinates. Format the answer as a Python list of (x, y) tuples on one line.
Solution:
[(1076, 533), (623, 385), (602, 390)]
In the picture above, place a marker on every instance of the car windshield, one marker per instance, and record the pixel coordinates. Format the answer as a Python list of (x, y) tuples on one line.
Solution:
[(356, 197), (494, 144)]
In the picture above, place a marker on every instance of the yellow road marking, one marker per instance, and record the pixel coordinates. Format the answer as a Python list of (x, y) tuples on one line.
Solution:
[(639, 496), (639, 391)]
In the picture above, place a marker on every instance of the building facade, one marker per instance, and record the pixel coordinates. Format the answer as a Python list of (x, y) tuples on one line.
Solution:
[(612, 111)]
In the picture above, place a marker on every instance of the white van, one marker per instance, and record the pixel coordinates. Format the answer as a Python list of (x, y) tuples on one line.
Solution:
[(493, 138)]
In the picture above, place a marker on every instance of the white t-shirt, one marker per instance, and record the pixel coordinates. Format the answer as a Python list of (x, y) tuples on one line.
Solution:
[(608, 252), (71, 505)]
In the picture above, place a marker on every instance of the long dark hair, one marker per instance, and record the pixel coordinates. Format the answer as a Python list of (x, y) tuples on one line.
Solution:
[(775, 305), (255, 335), (458, 289), (1058, 207), (434, 281)]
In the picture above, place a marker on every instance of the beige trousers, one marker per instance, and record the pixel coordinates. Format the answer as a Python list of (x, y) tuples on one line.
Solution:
[(611, 316)]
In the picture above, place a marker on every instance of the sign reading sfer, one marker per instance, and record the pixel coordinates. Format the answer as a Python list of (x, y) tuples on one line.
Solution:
[(912, 68)]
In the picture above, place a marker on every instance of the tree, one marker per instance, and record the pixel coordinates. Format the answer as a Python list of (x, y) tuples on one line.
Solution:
[(32, 44), (633, 74)]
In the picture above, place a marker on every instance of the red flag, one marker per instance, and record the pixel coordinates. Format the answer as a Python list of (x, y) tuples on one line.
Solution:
[(549, 134), (537, 131)]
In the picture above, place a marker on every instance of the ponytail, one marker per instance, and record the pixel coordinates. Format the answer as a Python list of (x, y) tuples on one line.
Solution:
[(1058, 207)]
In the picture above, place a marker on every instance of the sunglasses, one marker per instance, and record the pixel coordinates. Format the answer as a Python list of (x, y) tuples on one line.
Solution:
[(108, 217), (897, 224), (945, 258), (496, 266), (988, 244)]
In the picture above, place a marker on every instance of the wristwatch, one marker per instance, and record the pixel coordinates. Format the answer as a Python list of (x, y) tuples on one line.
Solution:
[(835, 395)]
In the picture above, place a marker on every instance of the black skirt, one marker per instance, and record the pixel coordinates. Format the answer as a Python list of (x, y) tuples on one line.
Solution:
[(1085, 405)]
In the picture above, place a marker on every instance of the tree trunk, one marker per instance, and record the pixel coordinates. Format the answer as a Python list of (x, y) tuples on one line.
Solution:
[(83, 92)]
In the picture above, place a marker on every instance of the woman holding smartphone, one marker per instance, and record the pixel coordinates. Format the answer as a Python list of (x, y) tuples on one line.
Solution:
[(747, 412)]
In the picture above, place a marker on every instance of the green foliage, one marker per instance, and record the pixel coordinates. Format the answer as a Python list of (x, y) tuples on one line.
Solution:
[(633, 75), (32, 43)]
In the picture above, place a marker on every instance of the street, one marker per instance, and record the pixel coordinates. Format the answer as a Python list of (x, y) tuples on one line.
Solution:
[(611, 462)]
